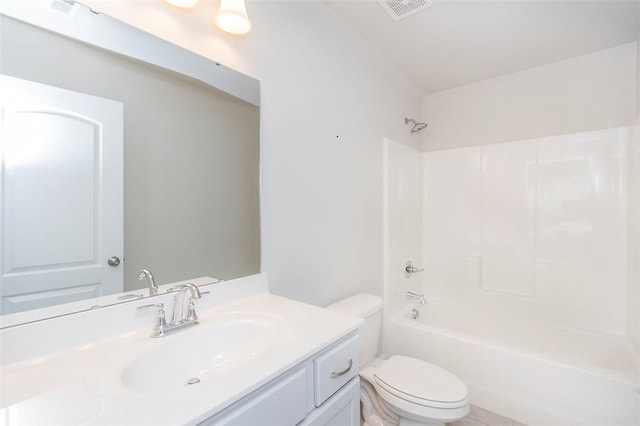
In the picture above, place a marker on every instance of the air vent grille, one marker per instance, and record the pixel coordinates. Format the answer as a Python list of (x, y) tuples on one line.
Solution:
[(400, 9)]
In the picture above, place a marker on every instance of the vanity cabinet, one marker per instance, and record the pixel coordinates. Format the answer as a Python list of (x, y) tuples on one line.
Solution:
[(342, 409), (322, 390)]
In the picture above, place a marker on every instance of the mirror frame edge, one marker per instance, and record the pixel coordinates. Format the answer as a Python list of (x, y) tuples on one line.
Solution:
[(89, 27)]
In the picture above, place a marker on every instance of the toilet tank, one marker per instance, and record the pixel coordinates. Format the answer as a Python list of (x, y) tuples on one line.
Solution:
[(369, 308)]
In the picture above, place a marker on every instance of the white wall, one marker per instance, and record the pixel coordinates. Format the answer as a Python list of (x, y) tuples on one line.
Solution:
[(328, 101), (533, 229), (589, 92)]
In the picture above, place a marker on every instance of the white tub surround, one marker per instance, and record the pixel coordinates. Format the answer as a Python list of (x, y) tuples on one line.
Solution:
[(532, 228), (101, 367), (402, 221), (634, 236), (531, 277)]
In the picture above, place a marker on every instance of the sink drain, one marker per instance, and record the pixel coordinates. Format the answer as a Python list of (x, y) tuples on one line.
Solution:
[(193, 381)]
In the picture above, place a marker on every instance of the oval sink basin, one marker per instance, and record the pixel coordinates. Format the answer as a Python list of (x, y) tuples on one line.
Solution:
[(209, 350)]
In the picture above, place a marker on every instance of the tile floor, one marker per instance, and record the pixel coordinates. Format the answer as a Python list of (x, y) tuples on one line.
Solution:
[(480, 417)]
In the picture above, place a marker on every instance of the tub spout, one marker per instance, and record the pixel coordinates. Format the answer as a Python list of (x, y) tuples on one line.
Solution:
[(416, 296)]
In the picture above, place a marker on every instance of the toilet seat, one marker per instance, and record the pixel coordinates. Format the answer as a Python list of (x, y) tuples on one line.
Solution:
[(421, 414), (419, 382)]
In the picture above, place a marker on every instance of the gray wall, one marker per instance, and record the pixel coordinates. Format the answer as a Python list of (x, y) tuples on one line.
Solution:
[(191, 167)]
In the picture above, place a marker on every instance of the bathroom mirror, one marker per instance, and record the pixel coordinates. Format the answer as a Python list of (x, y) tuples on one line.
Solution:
[(188, 171)]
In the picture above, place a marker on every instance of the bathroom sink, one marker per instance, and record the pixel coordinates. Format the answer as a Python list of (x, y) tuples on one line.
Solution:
[(205, 353)]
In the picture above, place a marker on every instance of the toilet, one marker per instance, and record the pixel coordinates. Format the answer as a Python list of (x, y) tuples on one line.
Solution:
[(400, 390)]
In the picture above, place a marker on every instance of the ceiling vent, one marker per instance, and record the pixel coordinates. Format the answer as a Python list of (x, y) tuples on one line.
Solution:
[(400, 9)]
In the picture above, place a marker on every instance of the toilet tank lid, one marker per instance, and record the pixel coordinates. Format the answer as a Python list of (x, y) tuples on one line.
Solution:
[(360, 305)]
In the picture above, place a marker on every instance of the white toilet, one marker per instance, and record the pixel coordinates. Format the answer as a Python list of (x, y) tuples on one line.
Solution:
[(400, 390)]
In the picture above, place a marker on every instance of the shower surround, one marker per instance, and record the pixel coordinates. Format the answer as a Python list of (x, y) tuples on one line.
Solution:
[(535, 228), (526, 241)]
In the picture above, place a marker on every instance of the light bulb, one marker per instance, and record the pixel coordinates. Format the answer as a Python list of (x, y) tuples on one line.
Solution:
[(181, 3), (232, 17)]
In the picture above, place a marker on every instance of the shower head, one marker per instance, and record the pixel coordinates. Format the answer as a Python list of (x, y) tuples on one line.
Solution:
[(416, 126)]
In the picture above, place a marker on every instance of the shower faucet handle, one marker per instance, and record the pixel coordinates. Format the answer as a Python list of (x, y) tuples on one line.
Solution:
[(410, 269), (161, 322)]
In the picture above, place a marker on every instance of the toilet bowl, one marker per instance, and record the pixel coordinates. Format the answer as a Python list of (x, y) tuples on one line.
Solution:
[(400, 390), (420, 393)]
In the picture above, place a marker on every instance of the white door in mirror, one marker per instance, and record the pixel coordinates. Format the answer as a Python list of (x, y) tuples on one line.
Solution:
[(61, 187)]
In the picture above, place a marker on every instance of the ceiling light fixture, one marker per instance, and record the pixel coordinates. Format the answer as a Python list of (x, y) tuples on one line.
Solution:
[(182, 3), (232, 17)]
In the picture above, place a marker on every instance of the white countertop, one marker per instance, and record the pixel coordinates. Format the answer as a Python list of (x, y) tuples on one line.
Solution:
[(82, 383)]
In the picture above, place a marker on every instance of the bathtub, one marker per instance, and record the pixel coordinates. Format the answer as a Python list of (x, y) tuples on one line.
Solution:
[(535, 374)]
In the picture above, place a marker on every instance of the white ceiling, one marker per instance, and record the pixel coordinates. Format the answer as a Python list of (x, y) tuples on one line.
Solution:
[(454, 43)]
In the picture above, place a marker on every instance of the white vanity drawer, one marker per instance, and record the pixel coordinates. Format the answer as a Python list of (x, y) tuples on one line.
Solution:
[(335, 367)]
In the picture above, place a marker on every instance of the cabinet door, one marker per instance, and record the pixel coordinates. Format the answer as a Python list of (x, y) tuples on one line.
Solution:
[(342, 409), (281, 403)]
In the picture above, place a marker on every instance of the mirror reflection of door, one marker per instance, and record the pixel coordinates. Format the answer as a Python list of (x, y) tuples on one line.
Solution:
[(61, 190)]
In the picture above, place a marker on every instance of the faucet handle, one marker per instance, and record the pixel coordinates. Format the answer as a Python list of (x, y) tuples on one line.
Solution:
[(191, 314), (161, 321)]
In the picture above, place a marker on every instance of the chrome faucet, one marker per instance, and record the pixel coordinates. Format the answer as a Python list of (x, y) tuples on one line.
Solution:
[(180, 319), (416, 296), (146, 274), (179, 316)]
